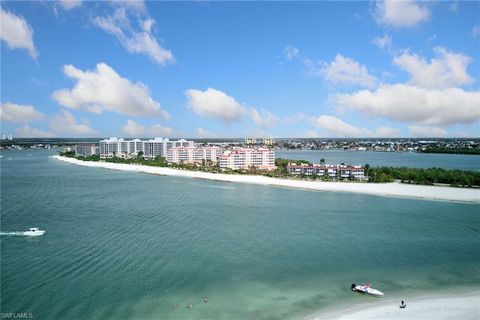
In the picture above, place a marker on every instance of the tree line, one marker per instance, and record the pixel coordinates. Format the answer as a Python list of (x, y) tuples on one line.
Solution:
[(430, 176), (451, 150)]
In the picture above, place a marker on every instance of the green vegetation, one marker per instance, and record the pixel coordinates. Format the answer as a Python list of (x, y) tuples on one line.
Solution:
[(157, 162), (281, 171), (69, 154), (430, 176), (452, 150)]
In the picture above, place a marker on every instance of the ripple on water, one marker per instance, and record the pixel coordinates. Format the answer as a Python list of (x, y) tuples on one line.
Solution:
[(132, 246)]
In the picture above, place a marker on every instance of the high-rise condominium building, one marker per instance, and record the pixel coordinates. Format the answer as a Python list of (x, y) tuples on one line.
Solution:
[(86, 150), (118, 147), (247, 158), (194, 154)]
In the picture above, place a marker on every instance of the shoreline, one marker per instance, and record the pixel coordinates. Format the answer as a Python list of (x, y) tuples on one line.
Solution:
[(430, 306), (393, 189)]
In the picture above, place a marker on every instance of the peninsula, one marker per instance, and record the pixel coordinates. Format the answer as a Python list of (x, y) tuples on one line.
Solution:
[(393, 189)]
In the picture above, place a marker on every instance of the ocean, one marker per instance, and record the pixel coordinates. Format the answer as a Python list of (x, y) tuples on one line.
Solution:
[(123, 245)]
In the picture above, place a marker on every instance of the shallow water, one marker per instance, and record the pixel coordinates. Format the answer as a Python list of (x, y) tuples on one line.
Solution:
[(123, 245), (389, 159)]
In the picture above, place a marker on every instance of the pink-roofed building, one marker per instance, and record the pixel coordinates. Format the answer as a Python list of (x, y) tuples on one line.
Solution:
[(246, 158), (333, 171), (193, 154)]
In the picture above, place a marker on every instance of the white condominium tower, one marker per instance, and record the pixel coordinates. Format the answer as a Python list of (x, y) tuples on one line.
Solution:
[(118, 147), (246, 158), (194, 154)]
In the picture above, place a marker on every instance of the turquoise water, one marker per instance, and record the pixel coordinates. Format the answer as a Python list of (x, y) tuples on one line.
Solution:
[(393, 159), (123, 245)]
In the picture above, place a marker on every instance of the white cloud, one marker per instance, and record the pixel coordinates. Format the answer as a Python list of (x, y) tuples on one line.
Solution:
[(135, 5), (427, 132), (344, 70), (448, 69), (18, 113), (311, 134), (105, 90), (290, 52), (386, 132), (161, 131), (453, 7), (401, 13), (135, 129), (216, 104), (27, 132), (213, 103), (463, 134), (338, 128), (135, 41), (202, 133), (408, 103), (384, 42), (263, 119), (69, 4), (16, 32), (295, 118), (65, 124), (476, 31)]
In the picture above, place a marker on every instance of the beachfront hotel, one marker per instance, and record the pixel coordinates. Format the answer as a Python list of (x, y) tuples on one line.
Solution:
[(118, 147), (192, 154), (183, 151), (332, 171), (86, 150), (264, 141), (246, 158)]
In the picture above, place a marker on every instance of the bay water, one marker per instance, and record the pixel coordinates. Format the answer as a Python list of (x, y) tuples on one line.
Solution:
[(388, 159), (123, 245)]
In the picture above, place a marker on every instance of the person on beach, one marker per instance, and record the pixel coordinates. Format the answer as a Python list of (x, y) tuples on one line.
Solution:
[(402, 304)]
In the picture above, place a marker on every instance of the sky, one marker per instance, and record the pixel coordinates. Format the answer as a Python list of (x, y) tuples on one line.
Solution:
[(240, 69)]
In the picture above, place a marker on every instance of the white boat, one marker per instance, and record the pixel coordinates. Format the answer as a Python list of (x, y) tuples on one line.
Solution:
[(367, 290), (33, 232)]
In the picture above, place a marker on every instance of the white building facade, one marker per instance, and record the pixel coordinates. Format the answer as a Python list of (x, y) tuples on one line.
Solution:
[(247, 158), (333, 171), (118, 147), (86, 150), (194, 154)]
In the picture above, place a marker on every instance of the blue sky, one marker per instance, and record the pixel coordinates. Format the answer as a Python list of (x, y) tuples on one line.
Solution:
[(220, 69)]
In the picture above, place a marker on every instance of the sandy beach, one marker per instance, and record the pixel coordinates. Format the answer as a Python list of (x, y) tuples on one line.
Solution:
[(461, 306), (380, 189)]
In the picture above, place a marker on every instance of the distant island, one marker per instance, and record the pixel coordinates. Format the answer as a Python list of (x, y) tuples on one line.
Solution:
[(468, 146), (451, 150)]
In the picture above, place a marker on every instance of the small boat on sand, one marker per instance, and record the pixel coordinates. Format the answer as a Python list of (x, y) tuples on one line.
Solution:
[(33, 232), (367, 289)]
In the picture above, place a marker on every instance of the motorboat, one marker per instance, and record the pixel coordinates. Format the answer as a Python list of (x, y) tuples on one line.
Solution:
[(33, 232), (367, 289)]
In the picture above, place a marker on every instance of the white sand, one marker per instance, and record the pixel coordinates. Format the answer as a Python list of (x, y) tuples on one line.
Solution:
[(381, 189), (461, 306)]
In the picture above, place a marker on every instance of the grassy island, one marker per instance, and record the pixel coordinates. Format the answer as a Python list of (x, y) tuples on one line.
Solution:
[(436, 149)]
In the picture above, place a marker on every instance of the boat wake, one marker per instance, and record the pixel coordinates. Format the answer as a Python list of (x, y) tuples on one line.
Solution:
[(13, 233), (32, 232)]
